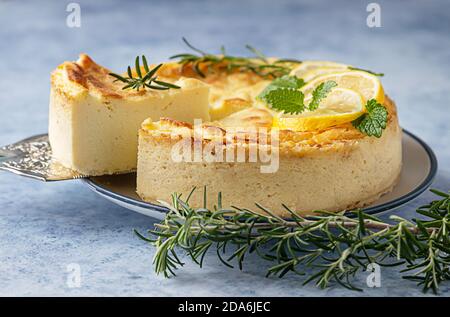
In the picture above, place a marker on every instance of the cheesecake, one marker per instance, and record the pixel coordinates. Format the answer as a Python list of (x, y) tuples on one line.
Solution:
[(332, 169), (225, 129)]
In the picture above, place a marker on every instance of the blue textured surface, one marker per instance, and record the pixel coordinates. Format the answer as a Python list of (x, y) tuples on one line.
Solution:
[(46, 226)]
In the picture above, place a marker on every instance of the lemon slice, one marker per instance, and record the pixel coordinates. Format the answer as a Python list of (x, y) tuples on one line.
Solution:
[(310, 66), (320, 71), (368, 85), (340, 106)]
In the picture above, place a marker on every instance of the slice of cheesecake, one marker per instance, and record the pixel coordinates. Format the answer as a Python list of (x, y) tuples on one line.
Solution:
[(94, 123)]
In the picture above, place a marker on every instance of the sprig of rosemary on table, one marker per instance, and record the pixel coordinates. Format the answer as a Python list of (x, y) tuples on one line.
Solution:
[(258, 64), (147, 80), (335, 246)]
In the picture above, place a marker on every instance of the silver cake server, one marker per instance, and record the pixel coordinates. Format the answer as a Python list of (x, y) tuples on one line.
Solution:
[(32, 157)]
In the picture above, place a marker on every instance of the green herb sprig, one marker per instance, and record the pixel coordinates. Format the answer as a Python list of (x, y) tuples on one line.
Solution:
[(329, 248), (258, 64), (373, 122), (366, 70), (283, 94), (147, 80)]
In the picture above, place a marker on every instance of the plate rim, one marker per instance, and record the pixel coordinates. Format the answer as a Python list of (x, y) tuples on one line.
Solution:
[(370, 210)]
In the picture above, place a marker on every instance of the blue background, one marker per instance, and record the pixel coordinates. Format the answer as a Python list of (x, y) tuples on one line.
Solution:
[(46, 226)]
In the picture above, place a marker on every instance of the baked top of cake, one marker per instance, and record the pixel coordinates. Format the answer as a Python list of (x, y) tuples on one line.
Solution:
[(226, 89), (294, 143)]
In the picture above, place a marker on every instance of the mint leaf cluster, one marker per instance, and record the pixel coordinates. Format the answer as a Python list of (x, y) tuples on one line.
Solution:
[(283, 94), (373, 122)]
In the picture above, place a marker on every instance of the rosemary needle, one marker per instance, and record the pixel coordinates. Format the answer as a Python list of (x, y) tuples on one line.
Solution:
[(259, 64), (147, 80)]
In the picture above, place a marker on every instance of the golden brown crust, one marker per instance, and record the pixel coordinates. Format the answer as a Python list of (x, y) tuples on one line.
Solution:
[(237, 103), (85, 74), (91, 76), (75, 73), (169, 122), (247, 118), (342, 138), (94, 78)]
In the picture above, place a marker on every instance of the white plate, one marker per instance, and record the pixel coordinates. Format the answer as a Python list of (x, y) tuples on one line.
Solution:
[(418, 171)]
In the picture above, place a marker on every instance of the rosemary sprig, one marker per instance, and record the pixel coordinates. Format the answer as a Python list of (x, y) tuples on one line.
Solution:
[(335, 246), (147, 80), (366, 70), (258, 64)]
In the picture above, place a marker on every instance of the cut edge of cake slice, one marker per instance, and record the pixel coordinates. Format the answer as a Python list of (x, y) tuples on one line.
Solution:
[(94, 123)]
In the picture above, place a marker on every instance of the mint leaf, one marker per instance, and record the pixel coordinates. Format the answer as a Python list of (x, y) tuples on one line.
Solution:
[(374, 121), (320, 93), (288, 100), (285, 81)]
